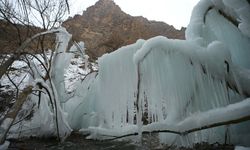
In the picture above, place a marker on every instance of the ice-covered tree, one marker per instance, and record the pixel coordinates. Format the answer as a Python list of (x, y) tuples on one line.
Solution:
[(188, 91), (22, 16), (175, 86)]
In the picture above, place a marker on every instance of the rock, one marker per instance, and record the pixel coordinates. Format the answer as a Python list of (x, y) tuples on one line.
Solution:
[(11, 38), (104, 28)]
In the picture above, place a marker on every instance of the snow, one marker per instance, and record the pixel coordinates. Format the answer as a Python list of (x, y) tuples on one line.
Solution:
[(236, 42), (239, 10), (194, 121), (180, 80), (5, 145), (242, 9), (155, 84), (182, 83), (80, 106), (161, 84), (44, 119), (241, 148), (41, 124), (18, 76), (230, 112), (196, 24), (75, 72), (18, 64), (72, 74), (5, 124)]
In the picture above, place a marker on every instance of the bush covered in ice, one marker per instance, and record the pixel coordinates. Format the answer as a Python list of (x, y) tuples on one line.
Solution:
[(189, 90)]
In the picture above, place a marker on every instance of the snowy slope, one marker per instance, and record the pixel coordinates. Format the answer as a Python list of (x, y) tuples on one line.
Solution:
[(75, 72)]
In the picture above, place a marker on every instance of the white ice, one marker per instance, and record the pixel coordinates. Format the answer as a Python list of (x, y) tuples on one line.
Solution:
[(164, 84)]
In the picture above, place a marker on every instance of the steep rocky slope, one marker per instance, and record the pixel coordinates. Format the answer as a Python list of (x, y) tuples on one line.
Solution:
[(104, 28), (12, 35)]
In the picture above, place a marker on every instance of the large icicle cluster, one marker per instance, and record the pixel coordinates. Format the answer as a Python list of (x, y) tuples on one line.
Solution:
[(165, 81), (217, 21), (164, 84)]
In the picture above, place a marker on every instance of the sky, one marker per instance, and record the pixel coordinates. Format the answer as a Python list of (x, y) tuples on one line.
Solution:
[(173, 12)]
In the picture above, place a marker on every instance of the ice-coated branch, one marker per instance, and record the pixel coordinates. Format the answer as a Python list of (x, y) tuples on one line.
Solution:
[(20, 50), (231, 114), (61, 58), (238, 78), (41, 62), (61, 125), (41, 86), (241, 20), (63, 130)]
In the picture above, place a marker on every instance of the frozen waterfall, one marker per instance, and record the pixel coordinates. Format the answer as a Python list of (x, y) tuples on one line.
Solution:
[(176, 79), (161, 84)]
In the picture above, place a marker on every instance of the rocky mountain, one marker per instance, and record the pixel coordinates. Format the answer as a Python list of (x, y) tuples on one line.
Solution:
[(12, 35), (104, 28)]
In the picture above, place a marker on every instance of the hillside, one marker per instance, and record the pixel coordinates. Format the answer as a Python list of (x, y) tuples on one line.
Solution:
[(104, 28), (12, 35)]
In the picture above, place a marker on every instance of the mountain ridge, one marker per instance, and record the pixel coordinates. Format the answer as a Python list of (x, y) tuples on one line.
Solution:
[(104, 27)]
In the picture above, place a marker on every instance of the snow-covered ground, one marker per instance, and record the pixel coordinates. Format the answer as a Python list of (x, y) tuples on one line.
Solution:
[(241, 148), (76, 71), (20, 76)]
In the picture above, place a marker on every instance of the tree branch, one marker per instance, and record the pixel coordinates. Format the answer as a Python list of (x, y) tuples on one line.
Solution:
[(4, 67), (238, 112)]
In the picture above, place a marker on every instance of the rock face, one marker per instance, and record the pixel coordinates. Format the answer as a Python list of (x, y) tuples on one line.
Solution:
[(104, 28), (12, 35)]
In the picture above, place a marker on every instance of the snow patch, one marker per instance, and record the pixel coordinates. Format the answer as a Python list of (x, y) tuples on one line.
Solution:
[(241, 148), (5, 145)]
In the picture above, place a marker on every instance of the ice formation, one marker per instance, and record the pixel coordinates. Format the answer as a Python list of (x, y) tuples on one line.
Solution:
[(48, 118), (164, 84), (177, 79), (166, 81), (241, 148)]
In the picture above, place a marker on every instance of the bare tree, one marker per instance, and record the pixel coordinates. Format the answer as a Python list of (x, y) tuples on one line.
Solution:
[(22, 16), (27, 21)]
